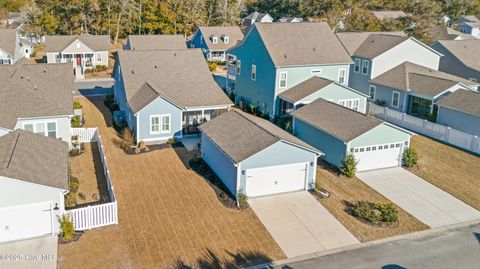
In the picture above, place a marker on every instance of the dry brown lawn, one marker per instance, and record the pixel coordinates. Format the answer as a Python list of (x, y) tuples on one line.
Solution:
[(169, 216), (344, 190), (452, 170)]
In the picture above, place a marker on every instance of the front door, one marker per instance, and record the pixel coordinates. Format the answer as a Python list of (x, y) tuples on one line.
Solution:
[(79, 59)]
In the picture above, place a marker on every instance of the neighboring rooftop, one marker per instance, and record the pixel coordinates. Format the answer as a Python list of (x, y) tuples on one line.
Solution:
[(150, 74), (290, 19), (34, 90), (474, 24), (376, 44), (305, 88), (234, 34), (8, 40), (442, 32), (55, 43), (34, 158), (353, 40), (241, 135), (389, 14), (256, 16), (156, 42), (471, 18), (462, 100), (466, 51), (302, 43), (343, 123), (413, 77)]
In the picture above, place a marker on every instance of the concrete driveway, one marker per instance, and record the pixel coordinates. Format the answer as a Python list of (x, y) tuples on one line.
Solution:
[(300, 224), (418, 197), (38, 253)]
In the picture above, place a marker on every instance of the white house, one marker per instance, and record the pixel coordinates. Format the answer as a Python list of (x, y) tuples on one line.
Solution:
[(34, 177), (82, 52), (254, 17), (37, 98), (12, 48)]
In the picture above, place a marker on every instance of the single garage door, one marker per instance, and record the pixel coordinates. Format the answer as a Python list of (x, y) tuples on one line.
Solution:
[(379, 156), (275, 179), (25, 221)]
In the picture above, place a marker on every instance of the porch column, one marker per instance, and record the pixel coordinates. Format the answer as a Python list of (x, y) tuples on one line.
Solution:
[(203, 114)]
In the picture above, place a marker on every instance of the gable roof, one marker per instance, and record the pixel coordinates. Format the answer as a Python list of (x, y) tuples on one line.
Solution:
[(466, 51), (35, 90), (473, 24), (55, 43), (413, 77), (180, 76), (34, 158), (305, 88), (290, 19), (442, 32), (156, 42), (340, 122), (302, 43), (8, 41), (256, 16), (374, 45), (389, 14), (233, 32), (471, 18), (352, 40), (462, 100), (240, 135)]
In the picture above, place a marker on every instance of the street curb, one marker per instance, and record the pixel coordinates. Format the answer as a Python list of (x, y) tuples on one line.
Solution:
[(415, 235)]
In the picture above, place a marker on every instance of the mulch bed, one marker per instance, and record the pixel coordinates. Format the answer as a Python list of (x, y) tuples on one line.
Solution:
[(74, 238)]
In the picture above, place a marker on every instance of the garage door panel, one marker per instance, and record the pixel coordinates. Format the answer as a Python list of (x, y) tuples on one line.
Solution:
[(378, 156), (275, 179)]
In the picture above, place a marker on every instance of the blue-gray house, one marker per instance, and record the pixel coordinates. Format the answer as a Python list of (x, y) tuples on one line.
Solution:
[(254, 156), (273, 57), (336, 131), (215, 41), (167, 93), (461, 111)]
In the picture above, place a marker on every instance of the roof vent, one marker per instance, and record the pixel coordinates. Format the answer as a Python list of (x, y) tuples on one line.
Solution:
[(314, 49), (155, 66), (44, 70), (133, 72), (35, 86), (28, 78), (174, 54), (285, 56)]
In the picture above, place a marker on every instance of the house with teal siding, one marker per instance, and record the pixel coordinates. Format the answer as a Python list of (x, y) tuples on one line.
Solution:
[(337, 131), (166, 93), (273, 57)]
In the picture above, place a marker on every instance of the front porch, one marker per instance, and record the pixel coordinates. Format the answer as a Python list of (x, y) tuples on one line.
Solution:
[(80, 62), (420, 107), (215, 55), (193, 118)]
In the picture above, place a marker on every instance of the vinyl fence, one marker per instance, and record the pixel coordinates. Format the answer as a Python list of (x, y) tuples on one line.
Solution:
[(97, 215), (446, 134)]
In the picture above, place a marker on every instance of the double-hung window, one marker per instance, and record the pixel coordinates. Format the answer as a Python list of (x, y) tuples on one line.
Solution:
[(159, 124), (42, 128), (239, 67), (395, 99), (372, 92), (165, 123), (99, 57), (350, 103), (155, 124), (341, 76), (356, 68), (365, 65), (254, 72), (52, 129), (283, 80)]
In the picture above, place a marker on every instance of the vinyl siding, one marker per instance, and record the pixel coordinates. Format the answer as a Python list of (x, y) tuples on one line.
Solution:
[(382, 134), (384, 93), (159, 107), (334, 93), (121, 99), (359, 81), (450, 64), (459, 120)]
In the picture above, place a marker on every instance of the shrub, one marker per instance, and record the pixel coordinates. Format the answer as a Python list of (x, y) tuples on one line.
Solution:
[(349, 165), (380, 102), (410, 157), (389, 212), (126, 140), (66, 227), (76, 122), (89, 71), (110, 103), (77, 105), (242, 199), (212, 66), (100, 68), (172, 141), (70, 199), (74, 184), (375, 212)]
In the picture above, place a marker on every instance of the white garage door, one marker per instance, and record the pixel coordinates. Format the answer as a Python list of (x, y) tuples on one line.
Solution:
[(379, 156), (26, 221), (276, 179)]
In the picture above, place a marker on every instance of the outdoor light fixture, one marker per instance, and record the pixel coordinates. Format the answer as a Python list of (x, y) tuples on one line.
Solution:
[(243, 172), (311, 163), (56, 207)]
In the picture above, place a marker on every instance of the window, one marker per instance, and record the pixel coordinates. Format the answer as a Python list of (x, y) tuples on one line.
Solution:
[(159, 124), (372, 92), (154, 124), (341, 76), (350, 103), (42, 128), (283, 80), (356, 68), (368, 148), (355, 105), (239, 67), (52, 129), (214, 39), (28, 127), (226, 39), (472, 79), (99, 57), (39, 128), (165, 123), (380, 147), (315, 71), (356, 150), (397, 145), (362, 149), (254, 72), (365, 67), (78, 45), (374, 148), (396, 99), (392, 146)]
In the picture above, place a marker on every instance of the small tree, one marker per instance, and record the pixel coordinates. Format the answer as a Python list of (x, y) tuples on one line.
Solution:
[(67, 228), (410, 157), (349, 165), (242, 199), (212, 66)]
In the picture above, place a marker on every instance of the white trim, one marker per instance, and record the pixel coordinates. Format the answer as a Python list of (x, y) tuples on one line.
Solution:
[(374, 92), (239, 67), (398, 103), (280, 79), (253, 75), (352, 100), (344, 76)]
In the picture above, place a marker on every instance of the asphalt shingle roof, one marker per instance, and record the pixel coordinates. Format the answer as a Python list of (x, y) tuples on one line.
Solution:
[(302, 43), (466, 51), (157, 42), (442, 32), (34, 158), (240, 135), (377, 44), (340, 122), (462, 100), (34, 90), (389, 14), (180, 76), (233, 32), (8, 39), (353, 40), (54, 43), (305, 88)]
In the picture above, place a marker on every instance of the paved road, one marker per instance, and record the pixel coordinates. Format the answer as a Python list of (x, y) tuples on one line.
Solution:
[(418, 197), (91, 87), (458, 248), (299, 224)]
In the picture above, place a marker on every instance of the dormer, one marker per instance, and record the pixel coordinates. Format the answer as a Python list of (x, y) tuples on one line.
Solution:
[(225, 39), (214, 39)]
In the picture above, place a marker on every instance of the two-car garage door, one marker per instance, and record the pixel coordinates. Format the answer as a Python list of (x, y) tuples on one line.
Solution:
[(378, 156), (276, 179)]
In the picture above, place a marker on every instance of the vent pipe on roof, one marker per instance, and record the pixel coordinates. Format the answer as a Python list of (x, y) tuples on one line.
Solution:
[(28, 78), (35, 87), (44, 70)]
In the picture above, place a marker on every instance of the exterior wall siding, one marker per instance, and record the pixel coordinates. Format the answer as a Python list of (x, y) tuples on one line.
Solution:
[(159, 107), (334, 93), (121, 99), (358, 80), (384, 93), (450, 64), (63, 126), (459, 120), (383, 134), (333, 148)]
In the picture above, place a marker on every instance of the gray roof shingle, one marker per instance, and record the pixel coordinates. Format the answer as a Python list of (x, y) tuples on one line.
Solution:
[(233, 32), (466, 51), (8, 39), (157, 42), (389, 14), (340, 122), (180, 76), (376, 44), (55, 43), (305, 88), (353, 40), (240, 135), (35, 90), (34, 158), (462, 100), (302, 43)]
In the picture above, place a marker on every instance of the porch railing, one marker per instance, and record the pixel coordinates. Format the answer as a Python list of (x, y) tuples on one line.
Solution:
[(446, 134)]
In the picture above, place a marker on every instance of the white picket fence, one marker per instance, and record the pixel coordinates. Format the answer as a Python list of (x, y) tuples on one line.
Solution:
[(95, 215), (443, 133)]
